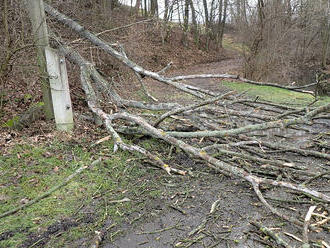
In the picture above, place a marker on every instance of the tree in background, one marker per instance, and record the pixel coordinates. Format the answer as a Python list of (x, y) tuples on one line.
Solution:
[(325, 33), (137, 6), (285, 39), (154, 8), (215, 15)]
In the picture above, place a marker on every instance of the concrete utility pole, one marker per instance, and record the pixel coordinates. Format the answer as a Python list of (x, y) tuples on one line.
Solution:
[(60, 92), (55, 87)]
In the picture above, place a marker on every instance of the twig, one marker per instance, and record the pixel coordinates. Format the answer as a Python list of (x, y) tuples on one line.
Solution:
[(307, 222), (227, 145), (326, 245), (256, 127), (190, 107), (293, 236), (178, 209), (315, 177), (114, 29), (256, 159), (165, 68), (146, 92), (160, 230), (121, 200), (214, 206), (294, 149), (178, 78), (276, 85), (270, 233), (99, 235)]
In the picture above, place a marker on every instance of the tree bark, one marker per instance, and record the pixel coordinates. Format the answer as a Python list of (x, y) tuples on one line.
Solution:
[(221, 21), (194, 22), (166, 11), (185, 23), (39, 27), (154, 8), (107, 48), (206, 14), (145, 8), (326, 34), (137, 7)]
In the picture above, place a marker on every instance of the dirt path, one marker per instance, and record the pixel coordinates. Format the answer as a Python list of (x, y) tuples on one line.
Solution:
[(230, 66), (180, 216), (186, 207), (166, 93), (174, 211)]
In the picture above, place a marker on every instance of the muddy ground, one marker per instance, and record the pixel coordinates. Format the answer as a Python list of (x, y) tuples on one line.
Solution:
[(185, 204), (180, 215)]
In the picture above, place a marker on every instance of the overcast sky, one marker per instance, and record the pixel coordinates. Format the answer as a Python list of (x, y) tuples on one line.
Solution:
[(198, 6), (197, 3)]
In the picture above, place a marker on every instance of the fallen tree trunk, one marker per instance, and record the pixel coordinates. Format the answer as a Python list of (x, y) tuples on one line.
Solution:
[(212, 162), (245, 80), (107, 48), (91, 79), (220, 166), (250, 128)]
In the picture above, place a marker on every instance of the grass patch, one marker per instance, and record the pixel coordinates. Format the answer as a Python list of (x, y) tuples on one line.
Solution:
[(29, 170), (228, 43), (276, 95)]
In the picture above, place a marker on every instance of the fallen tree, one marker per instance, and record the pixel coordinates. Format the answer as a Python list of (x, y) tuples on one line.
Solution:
[(211, 120)]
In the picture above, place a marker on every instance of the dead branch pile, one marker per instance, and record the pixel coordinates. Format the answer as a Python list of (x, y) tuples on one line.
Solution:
[(260, 142)]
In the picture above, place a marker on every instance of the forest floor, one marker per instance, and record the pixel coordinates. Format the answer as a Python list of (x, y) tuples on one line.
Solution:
[(129, 202), (124, 199)]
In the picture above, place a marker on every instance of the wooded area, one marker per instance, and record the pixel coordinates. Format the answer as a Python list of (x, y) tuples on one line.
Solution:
[(280, 151)]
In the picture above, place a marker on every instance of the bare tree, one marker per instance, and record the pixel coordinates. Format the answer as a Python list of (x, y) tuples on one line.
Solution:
[(145, 8), (194, 22), (222, 16), (206, 14), (154, 7), (325, 34), (166, 10), (107, 6), (137, 6), (185, 23), (291, 36)]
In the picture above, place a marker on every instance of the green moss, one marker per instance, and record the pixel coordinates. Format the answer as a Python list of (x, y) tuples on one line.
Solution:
[(273, 94)]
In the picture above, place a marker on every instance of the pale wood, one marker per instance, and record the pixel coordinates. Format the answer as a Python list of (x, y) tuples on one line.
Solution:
[(60, 92)]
